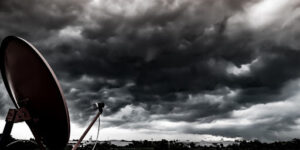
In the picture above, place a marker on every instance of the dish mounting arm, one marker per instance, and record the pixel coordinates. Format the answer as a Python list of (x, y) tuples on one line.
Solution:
[(14, 116), (100, 108)]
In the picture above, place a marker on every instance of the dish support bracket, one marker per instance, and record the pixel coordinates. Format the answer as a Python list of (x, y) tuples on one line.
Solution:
[(13, 116)]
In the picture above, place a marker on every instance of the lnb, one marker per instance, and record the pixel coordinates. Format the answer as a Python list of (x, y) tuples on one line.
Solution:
[(100, 106)]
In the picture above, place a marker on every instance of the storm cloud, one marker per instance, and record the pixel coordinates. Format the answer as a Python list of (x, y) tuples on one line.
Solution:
[(203, 66)]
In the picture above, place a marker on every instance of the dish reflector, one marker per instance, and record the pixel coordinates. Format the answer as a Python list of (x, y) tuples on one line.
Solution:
[(32, 84)]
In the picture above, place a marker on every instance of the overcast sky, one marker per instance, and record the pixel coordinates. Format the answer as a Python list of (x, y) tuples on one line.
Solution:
[(202, 69)]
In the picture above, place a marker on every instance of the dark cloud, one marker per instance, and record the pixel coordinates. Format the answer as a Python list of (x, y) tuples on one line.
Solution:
[(35, 20), (267, 122), (4, 103), (181, 61)]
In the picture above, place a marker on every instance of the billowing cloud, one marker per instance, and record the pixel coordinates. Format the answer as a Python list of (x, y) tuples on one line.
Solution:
[(204, 64)]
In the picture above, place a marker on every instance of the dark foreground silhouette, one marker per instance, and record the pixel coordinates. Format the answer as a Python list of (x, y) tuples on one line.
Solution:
[(169, 145)]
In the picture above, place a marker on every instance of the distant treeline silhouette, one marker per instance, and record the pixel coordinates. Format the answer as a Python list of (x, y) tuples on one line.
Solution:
[(176, 145), (169, 145)]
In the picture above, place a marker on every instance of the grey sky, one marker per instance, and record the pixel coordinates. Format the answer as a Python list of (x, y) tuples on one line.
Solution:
[(225, 68)]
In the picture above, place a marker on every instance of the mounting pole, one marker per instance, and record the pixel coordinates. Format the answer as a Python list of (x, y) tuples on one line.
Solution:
[(13, 116), (7, 129), (100, 108)]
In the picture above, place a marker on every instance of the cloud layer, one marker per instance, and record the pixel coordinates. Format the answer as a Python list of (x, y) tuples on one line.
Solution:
[(204, 67)]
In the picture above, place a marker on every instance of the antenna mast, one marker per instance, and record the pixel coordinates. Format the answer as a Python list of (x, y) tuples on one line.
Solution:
[(100, 108)]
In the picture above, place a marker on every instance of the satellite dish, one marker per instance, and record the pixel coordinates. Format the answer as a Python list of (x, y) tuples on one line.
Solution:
[(36, 93)]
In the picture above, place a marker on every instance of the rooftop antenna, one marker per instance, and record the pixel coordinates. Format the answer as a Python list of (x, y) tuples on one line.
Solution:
[(36, 94)]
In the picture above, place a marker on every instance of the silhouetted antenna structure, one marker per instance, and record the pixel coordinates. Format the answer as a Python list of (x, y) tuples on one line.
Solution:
[(36, 94)]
